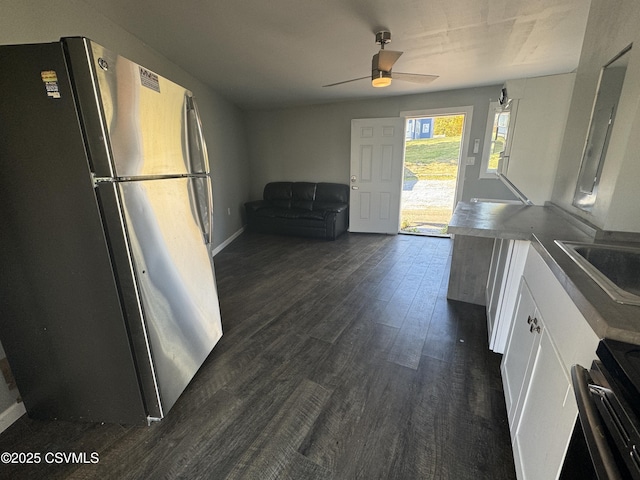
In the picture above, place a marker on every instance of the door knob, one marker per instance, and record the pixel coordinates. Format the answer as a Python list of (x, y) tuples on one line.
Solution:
[(353, 178)]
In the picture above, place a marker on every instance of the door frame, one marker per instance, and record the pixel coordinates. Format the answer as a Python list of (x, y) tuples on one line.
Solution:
[(467, 111)]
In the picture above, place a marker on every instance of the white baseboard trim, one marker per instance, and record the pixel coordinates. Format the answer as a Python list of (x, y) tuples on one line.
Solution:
[(10, 415), (221, 247)]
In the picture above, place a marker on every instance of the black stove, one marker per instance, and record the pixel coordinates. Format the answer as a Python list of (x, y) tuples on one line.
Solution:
[(608, 398), (622, 361)]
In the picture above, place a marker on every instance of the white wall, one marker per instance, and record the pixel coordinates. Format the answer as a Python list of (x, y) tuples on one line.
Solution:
[(313, 143), (612, 25), (33, 21), (537, 136)]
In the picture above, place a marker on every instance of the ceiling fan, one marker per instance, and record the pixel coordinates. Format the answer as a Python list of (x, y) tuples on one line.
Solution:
[(381, 66)]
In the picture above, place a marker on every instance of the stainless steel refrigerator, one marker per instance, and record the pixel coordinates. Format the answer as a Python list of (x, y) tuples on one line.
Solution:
[(108, 301)]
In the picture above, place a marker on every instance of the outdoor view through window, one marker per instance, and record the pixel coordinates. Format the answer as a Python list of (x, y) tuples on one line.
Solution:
[(498, 139), (432, 153)]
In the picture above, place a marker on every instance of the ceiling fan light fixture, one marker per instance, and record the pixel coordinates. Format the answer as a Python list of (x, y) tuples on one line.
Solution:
[(381, 65), (380, 79)]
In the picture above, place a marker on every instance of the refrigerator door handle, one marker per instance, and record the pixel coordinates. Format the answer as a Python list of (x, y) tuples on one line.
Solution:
[(207, 212), (200, 193), (199, 166), (194, 132)]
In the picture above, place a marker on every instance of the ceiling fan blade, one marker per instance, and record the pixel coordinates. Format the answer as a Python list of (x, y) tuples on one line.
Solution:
[(386, 59), (347, 81), (414, 77)]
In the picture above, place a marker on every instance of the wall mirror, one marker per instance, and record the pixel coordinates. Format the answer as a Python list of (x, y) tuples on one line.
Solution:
[(602, 118)]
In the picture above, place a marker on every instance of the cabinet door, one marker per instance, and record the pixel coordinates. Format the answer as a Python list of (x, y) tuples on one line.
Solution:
[(535, 368), (548, 414), (495, 280), (516, 363), (516, 254)]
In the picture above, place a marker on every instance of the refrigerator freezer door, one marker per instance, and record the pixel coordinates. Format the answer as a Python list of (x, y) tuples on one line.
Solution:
[(175, 278), (146, 118)]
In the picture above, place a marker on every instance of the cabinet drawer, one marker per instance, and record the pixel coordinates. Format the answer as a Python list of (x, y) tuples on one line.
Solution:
[(575, 339)]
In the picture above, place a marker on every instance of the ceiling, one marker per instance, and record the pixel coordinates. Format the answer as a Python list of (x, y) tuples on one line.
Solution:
[(277, 53)]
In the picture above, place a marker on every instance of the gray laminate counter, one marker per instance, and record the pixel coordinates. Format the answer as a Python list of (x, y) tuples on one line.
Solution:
[(515, 222), (607, 318), (542, 226)]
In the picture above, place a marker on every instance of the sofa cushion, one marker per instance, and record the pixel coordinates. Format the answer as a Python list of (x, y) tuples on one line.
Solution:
[(332, 193), (313, 215), (303, 194), (289, 212), (278, 193), (329, 207)]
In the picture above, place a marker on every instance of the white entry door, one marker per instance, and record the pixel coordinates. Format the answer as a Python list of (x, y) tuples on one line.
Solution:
[(377, 149)]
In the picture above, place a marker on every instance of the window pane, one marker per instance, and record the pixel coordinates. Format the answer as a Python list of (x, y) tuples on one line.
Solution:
[(498, 139)]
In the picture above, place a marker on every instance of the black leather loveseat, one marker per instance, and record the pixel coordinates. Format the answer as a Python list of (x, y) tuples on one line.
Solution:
[(301, 208)]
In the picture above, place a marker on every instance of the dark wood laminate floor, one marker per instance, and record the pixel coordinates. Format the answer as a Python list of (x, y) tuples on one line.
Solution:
[(340, 360)]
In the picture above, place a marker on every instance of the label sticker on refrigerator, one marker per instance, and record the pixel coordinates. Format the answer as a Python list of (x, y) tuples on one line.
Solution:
[(149, 79), (50, 79)]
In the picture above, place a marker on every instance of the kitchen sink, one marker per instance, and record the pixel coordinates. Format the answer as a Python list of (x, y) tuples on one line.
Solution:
[(616, 269)]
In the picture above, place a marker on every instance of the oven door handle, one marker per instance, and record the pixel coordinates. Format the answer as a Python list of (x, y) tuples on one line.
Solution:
[(593, 427)]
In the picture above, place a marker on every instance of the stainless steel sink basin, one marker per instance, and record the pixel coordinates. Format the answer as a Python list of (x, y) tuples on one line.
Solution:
[(616, 269)]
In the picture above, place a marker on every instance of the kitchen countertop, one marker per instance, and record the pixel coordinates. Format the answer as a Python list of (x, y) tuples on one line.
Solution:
[(512, 221), (542, 225)]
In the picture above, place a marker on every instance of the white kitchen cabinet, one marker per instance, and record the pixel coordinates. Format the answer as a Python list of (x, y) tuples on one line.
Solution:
[(546, 420), (507, 264), (548, 334), (523, 342)]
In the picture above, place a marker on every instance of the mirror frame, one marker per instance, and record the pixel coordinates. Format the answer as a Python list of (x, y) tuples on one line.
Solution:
[(603, 113)]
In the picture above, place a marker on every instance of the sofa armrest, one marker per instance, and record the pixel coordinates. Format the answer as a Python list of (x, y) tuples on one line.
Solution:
[(251, 207)]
